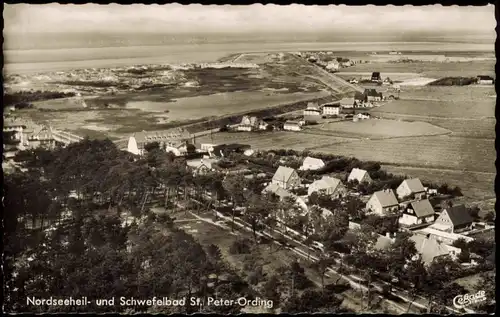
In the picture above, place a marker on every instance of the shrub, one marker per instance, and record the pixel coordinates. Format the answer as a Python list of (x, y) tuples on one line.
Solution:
[(241, 246)]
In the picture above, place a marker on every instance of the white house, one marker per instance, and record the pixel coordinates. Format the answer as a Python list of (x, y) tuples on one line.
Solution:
[(411, 187), (333, 66), (292, 126), (201, 166), (311, 163), (359, 175), (328, 186), (207, 147), (244, 128), (417, 212), (383, 202), (332, 109), (361, 116), (283, 193), (138, 140), (454, 219), (485, 80), (286, 177)]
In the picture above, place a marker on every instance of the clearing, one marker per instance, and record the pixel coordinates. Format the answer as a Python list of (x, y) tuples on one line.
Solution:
[(474, 185), (273, 140), (429, 69), (381, 128)]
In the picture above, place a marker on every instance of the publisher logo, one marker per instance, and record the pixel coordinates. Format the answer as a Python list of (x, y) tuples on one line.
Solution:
[(462, 301)]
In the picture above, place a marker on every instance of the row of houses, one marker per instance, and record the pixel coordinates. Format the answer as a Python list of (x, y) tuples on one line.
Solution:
[(30, 135)]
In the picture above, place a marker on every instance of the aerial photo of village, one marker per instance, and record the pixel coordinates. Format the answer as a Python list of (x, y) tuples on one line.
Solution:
[(284, 166)]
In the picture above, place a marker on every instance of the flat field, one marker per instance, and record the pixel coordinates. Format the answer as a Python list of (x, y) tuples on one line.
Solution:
[(348, 74), (221, 104), (429, 69), (450, 93), (272, 140), (429, 151), (381, 128), (467, 109), (474, 185)]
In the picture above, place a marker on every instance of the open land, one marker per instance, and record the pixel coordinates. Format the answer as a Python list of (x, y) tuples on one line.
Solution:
[(429, 69)]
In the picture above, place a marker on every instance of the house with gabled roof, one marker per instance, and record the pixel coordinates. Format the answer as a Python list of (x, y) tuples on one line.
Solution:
[(311, 163), (348, 103), (454, 219), (283, 193), (429, 249), (485, 80), (417, 212), (331, 109), (411, 187), (359, 175), (383, 202), (286, 178), (327, 186)]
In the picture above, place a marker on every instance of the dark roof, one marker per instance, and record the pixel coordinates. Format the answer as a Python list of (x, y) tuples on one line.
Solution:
[(376, 74), (422, 208), (484, 77), (359, 96), (459, 215), (371, 92)]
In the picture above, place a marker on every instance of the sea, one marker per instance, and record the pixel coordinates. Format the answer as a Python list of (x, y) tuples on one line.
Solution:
[(38, 53)]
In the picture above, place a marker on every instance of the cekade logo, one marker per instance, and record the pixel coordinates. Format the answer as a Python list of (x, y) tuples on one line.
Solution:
[(462, 301)]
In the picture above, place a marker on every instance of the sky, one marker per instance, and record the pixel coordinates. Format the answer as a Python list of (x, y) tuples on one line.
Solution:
[(176, 18)]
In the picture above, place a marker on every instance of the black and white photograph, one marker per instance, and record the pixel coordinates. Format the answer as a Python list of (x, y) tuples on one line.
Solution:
[(261, 159)]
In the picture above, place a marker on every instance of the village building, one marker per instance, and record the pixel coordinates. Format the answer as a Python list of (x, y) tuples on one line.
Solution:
[(180, 148), (454, 220), (166, 138), (485, 80), (311, 163), (201, 166), (417, 212), (283, 193), (333, 66), (429, 249), (359, 98), (330, 186), (286, 178), (382, 202), (331, 109), (206, 147), (359, 175), (361, 116), (251, 123), (292, 126), (373, 95), (348, 103), (411, 188), (376, 76)]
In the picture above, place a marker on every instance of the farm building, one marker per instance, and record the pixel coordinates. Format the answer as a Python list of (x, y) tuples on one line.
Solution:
[(138, 140), (286, 177), (251, 123), (328, 186), (361, 116), (373, 95), (429, 249), (311, 163), (359, 98), (359, 175), (417, 212), (333, 66), (382, 202), (348, 103), (411, 187), (485, 80), (292, 126), (376, 76), (331, 109), (244, 128), (454, 219)]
